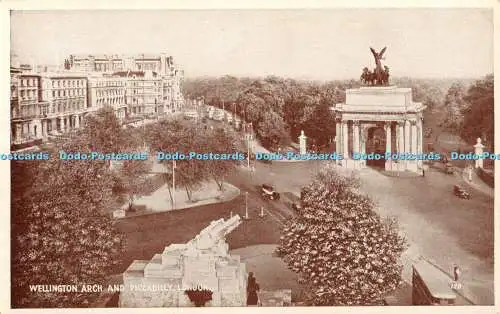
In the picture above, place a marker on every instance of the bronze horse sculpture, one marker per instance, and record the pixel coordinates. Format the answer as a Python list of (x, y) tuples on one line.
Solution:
[(379, 76), (373, 78)]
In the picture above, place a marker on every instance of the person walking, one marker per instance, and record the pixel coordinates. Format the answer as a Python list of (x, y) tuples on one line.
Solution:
[(252, 288)]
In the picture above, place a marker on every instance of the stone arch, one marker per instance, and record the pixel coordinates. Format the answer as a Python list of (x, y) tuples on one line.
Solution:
[(376, 138)]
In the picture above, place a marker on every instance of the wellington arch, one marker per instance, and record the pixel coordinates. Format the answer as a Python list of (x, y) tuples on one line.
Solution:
[(380, 120)]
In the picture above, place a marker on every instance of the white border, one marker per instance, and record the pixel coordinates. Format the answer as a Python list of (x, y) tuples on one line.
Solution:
[(197, 5)]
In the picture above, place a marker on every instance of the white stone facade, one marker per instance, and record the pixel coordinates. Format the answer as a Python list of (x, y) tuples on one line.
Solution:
[(202, 262), (386, 108)]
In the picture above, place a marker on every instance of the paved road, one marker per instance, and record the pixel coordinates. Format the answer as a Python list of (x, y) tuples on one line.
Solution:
[(438, 225)]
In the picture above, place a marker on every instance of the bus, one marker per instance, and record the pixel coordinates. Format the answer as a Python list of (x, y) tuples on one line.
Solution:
[(431, 286)]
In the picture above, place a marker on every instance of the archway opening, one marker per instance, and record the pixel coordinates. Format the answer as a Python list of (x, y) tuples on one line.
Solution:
[(376, 145)]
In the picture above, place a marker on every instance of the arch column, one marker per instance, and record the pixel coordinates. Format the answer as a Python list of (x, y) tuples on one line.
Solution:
[(407, 137), (355, 137), (345, 140), (400, 142), (338, 136), (388, 137), (414, 137)]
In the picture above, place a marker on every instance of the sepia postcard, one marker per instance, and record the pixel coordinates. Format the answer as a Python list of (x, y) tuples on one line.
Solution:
[(260, 157)]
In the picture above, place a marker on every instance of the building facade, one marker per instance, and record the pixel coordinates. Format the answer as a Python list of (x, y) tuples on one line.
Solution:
[(107, 91), (161, 64), (45, 104), (66, 95)]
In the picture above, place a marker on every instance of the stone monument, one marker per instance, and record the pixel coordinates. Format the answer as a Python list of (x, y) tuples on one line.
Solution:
[(478, 150), (302, 143), (386, 110), (203, 262)]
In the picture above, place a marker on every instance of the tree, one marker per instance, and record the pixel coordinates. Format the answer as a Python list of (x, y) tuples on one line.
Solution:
[(321, 127), (60, 234), (221, 142), (132, 176), (479, 114), (103, 132), (272, 131), (175, 136), (454, 106), (340, 246)]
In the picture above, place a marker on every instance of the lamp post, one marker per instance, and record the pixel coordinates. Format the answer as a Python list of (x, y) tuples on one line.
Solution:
[(246, 205), (173, 183)]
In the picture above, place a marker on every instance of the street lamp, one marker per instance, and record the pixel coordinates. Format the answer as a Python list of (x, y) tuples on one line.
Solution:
[(173, 183), (246, 205)]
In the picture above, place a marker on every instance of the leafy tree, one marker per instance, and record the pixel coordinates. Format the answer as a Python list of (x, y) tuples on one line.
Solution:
[(454, 106), (132, 174), (176, 136), (272, 131), (103, 132), (60, 234), (221, 142), (345, 252), (321, 127), (479, 114)]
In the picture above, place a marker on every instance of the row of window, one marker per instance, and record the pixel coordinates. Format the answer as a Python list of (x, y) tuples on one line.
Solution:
[(29, 82), (113, 92), (110, 101), (68, 83), (109, 83), (71, 92), (28, 94)]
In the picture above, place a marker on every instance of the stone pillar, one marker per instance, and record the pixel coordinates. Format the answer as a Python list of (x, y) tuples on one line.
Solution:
[(302, 143), (19, 132), (388, 137), (54, 124), (407, 137), (77, 122), (345, 140), (338, 137), (355, 137), (414, 137), (62, 124), (478, 150), (420, 144), (44, 129)]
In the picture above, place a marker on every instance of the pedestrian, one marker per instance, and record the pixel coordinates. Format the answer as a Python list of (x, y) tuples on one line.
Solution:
[(456, 272), (252, 288)]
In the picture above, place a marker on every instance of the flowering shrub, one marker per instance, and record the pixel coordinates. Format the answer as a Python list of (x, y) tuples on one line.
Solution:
[(60, 234), (340, 247)]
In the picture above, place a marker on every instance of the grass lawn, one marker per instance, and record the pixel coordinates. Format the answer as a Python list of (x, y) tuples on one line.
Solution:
[(150, 234)]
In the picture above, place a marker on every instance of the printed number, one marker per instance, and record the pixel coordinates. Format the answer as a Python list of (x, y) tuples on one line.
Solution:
[(456, 286)]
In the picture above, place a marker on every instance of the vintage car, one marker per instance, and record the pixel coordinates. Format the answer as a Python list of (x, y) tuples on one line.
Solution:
[(460, 192), (268, 192)]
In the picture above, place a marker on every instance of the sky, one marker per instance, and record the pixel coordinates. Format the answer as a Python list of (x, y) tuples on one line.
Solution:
[(313, 44)]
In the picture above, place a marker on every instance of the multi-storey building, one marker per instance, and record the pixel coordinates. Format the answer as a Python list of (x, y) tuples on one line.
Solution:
[(161, 64), (144, 92), (107, 90), (50, 103), (66, 94)]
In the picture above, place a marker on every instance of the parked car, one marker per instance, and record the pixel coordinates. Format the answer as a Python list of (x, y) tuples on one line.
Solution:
[(268, 192)]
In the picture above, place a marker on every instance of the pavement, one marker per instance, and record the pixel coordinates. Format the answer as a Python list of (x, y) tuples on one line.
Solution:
[(269, 270), (477, 183), (208, 193), (451, 232), (437, 224)]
